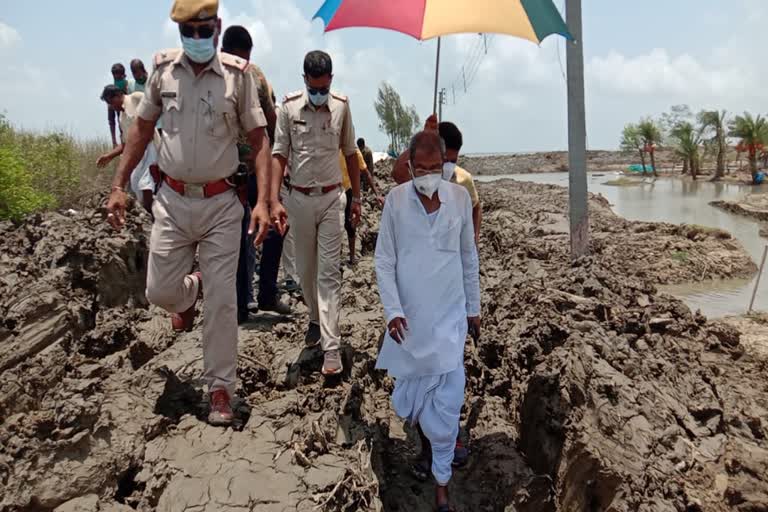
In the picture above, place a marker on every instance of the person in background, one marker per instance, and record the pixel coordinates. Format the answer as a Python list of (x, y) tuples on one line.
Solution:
[(313, 125), (453, 141), (140, 75), (237, 41), (126, 105), (429, 281), (346, 184), (121, 82), (368, 157)]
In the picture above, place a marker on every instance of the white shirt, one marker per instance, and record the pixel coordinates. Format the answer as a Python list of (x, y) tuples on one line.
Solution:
[(428, 274)]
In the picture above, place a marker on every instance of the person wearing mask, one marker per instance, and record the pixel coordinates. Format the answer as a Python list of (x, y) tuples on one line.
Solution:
[(121, 82), (312, 126), (206, 99), (429, 281), (453, 139), (126, 106), (139, 75), (237, 41)]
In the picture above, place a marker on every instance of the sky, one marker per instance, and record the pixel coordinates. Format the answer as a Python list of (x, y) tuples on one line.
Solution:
[(640, 58)]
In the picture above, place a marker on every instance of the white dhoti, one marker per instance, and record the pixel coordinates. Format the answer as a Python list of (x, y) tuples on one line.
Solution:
[(434, 402), (141, 178)]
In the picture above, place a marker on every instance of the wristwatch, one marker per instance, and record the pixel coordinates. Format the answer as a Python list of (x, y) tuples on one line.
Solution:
[(357, 200)]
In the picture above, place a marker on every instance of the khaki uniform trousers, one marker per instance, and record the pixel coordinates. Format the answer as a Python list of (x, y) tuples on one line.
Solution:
[(212, 226), (288, 258), (317, 225)]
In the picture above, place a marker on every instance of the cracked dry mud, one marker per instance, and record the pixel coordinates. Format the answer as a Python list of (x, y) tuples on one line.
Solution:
[(588, 391)]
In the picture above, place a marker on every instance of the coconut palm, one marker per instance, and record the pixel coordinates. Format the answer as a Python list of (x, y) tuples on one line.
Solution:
[(687, 140), (632, 141), (651, 136), (714, 126), (753, 133)]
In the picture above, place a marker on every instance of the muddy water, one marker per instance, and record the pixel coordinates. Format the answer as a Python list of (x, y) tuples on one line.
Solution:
[(682, 202)]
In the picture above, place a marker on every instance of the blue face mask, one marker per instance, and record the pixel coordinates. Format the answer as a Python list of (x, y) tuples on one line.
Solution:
[(198, 50), (318, 99)]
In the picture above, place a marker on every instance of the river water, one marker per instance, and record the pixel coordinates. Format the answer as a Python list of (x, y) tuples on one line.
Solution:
[(683, 202)]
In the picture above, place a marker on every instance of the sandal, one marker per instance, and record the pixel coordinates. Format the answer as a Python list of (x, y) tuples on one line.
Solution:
[(445, 508)]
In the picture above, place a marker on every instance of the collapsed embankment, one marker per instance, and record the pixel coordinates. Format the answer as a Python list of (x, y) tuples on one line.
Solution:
[(588, 390)]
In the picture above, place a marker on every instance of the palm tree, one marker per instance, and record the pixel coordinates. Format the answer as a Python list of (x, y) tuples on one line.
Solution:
[(714, 124), (687, 140), (651, 136), (753, 132), (632, 141)]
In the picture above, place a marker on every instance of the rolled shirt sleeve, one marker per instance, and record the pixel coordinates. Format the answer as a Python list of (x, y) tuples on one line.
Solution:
[(386, 266), (151, 105), (282, 145), (361, 161), (470, 262), (347, 141), (249, 107)]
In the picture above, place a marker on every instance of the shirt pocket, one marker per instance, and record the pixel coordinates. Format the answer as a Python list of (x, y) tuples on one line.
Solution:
[(448, 238), (171, 111), (223, 121), (301, 135), (331, 137)]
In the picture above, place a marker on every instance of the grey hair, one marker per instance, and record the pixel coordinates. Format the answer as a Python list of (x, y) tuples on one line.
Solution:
[(422, 140)]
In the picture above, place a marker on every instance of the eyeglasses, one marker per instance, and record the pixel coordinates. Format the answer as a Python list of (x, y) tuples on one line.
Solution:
[(204, 31), (321, 90)]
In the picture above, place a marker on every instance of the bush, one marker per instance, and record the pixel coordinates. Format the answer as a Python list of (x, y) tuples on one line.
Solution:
[(46, 170), (17, 195)]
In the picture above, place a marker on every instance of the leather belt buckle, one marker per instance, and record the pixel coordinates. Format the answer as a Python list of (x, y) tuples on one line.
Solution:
[(194, 191), (315, 191)]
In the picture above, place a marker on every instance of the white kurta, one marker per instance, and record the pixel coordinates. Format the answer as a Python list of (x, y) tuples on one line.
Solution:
[(429, 275)]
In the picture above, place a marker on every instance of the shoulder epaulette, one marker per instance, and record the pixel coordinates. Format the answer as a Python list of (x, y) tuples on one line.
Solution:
[(166, 56), (339, 97), (233, 61), (293, 96)]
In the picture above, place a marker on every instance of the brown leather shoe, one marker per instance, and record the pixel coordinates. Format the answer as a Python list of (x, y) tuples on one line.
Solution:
[(185, 321), (221, 410)]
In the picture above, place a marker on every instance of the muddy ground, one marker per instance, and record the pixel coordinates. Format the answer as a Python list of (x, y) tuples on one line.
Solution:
[(754, 206), (588, 391)]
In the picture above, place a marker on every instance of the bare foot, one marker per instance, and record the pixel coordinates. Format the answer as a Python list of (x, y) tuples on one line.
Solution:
[(441, 497)]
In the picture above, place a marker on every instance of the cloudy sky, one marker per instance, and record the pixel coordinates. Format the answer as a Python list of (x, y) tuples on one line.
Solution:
[(641, 57)]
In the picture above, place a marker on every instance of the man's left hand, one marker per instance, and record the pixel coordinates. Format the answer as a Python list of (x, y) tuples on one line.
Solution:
[(357, 212), (260, 219), (474, 327)]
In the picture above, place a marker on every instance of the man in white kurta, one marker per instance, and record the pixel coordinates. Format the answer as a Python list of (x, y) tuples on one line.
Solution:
[(428, 276)]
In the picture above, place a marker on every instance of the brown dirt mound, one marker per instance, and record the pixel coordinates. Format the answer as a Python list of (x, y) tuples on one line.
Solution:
[(587, 391)]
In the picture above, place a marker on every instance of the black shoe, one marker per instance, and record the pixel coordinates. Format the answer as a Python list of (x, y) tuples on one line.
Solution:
[(312, 337), (290, 286), (277, 306), (253, 307)]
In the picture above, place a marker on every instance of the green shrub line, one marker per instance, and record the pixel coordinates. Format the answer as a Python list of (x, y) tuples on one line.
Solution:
[(45, 170)]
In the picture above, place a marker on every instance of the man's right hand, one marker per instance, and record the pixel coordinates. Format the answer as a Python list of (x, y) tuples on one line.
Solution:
[(397, 329), (116, 205), (279, 217), (103, 161)]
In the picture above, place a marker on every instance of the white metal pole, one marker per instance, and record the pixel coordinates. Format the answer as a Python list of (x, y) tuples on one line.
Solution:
[(577, 134), (757, 282)]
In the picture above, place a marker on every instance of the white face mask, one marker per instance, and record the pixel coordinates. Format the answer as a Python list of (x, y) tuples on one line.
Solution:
[(448, 169), (427, 184)]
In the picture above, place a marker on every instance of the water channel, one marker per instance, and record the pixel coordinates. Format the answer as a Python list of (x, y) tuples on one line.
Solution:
[(683, 202)]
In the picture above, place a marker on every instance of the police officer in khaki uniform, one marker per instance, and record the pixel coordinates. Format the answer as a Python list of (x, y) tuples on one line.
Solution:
[(205, 99), (311, 127)]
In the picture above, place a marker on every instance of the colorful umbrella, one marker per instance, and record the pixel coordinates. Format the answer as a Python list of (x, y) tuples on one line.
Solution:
[(424, 19)]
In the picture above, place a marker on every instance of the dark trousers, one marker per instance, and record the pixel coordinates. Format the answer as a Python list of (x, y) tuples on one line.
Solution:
[(271, 251)]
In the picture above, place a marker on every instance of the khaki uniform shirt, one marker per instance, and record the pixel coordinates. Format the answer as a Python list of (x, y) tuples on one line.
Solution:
[(312, 137), (202, 115)]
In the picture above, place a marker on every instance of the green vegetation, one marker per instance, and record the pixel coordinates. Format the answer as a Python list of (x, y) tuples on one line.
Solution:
[(623, 182), (753, 135), (681, 256), (45, 170), (715, 123), (686, 142), (396, 120), (650, 133), (632, 141)]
